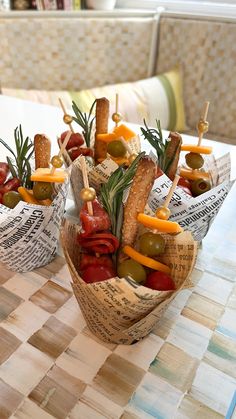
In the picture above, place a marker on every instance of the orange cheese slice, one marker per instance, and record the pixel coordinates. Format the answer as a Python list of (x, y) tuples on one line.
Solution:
[(145, 260), (45, 175), (157, 224), (107, 138), (193, 174), (125, 132), (200, 149)]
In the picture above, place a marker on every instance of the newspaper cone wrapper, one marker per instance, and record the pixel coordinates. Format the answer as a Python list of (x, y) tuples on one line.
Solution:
[(119, 310), (97, 175), (29, 234)]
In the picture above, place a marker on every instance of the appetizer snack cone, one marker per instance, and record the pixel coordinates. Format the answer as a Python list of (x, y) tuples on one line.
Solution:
[(29, 233), (32, 202), (120, 310)]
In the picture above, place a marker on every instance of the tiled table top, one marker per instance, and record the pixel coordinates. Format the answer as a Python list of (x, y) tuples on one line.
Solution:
[(52, 366)]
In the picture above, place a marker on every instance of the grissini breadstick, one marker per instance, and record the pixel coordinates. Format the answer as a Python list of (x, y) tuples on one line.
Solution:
[(141, 187), (173, 152), (102, 115), (42, 151)]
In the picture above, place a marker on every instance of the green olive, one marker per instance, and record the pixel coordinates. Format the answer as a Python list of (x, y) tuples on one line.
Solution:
[(194, 160), (116, 149), (11, 199), (42, 190), (151, 244), (132, 268), (200, 186)]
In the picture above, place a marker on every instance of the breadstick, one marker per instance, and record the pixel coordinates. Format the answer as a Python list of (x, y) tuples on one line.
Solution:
[(42, 151), (138, 195), (102, 115), (173, 152)]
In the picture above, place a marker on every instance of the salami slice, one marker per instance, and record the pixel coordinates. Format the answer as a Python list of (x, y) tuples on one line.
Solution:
[(92, 223), (101, 243)]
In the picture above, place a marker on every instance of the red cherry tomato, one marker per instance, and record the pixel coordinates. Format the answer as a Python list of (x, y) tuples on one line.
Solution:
[(76, 152), (186, 190), (1, 196), (75, 140), (184, 182), (11, 185), (97, 273), (159, 281)]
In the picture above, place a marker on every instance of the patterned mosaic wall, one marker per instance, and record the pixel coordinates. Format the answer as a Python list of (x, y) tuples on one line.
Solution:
[(206, 52), (71, 54)]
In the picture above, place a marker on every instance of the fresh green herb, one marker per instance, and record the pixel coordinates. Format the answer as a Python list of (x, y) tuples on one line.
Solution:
[(19, 164), (155, 138), (85, 121), (112, 193)]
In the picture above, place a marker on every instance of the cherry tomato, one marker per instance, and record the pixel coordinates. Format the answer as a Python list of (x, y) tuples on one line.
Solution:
[(132, 268), (184, 182), (97, 273), (186, 190), (151, 244), (1, 198), (11, 185), (159, 281), (76, 152), (75, 140)]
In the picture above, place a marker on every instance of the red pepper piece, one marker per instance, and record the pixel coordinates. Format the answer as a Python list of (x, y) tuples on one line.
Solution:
[(87, 260), (92, 223), (99, 242), (4, 170), (11, 185), (75, 140)]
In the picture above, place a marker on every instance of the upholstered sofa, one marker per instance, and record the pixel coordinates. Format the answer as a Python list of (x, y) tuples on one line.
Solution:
[(70, 54)]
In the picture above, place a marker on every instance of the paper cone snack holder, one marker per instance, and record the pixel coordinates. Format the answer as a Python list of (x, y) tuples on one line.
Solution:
[(119, 310)]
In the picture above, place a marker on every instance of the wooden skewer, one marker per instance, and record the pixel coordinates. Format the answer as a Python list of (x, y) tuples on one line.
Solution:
[(62, 150), (203, 117), (65, 113), (205, 110), (85, 180), (127, 147), (171, 191), (117, 102), (64, 144)]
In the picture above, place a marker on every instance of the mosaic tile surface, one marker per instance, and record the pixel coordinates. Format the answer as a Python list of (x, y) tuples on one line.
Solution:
[(51, 366)]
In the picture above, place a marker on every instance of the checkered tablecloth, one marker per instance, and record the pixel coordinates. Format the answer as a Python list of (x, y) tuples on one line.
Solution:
[(52, 366)]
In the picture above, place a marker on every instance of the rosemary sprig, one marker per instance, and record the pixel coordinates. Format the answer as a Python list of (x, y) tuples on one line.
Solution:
[(19, 164), (112, 193), (155, 138), (85, 121)]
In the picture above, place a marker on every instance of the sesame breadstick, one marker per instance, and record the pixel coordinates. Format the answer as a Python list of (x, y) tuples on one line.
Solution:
[(138, 195), (102, 115), (42, 151)]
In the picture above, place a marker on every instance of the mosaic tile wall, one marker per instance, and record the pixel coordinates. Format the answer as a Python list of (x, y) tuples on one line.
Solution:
[(73, 54)]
